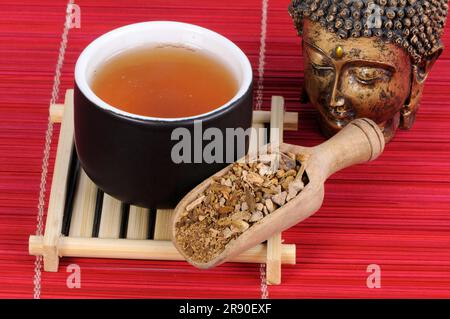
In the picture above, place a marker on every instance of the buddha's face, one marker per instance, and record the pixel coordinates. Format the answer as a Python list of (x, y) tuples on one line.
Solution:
[(353, 78)]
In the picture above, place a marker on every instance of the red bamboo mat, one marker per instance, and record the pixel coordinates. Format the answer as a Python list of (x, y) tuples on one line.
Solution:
[(394, 212)]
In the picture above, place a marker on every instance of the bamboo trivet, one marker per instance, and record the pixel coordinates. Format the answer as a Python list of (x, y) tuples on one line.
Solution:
[(82, 221)]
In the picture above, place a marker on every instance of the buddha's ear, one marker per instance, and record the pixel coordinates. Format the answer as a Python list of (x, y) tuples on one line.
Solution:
[(418, 76), (424, 67)]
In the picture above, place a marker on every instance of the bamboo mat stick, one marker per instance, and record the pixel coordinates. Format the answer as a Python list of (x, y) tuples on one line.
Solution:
[(53, 226), (143, 249), (274, 244), (111, 218), (83, 212), (137, 223), (163, 224)]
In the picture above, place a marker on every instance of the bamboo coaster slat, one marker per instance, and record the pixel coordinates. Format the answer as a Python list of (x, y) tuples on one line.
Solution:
[(257, 139), (262, 138), (259, 117), (290, 119), (163, 224), (273, 271), (113, 219), (53, 226), (254, 144), (143, 249), (138, 219), (83, 212), (57, 111)]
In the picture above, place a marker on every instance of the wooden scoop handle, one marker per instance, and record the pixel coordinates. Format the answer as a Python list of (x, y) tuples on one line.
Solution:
[(360, 141)]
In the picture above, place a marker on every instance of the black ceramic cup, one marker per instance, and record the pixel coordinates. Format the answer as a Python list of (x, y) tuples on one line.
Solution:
[(129, 156)]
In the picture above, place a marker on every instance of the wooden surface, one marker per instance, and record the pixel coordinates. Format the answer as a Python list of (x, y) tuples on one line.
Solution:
[(359, 142)]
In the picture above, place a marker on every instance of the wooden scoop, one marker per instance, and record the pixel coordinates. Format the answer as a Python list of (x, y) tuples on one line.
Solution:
[(360, 141)]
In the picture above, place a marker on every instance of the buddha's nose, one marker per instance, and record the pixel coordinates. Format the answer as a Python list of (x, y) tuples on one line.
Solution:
[(337, 100)]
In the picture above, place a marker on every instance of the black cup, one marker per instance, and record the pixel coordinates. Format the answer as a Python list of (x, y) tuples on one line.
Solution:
[(130, 156)]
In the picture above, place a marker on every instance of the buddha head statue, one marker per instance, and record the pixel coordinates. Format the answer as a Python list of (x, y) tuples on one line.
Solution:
[(368, 58)]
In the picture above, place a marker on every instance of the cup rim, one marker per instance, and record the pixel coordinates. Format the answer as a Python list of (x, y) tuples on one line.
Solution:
[(81, 66)]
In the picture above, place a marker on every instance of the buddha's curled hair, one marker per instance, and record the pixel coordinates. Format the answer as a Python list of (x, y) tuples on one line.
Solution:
[(414, 25)]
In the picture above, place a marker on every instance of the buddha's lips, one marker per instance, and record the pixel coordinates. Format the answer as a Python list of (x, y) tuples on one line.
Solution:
[(338, 118)]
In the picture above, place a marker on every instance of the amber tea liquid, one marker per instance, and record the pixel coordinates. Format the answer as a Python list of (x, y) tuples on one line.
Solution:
[(166, 82)]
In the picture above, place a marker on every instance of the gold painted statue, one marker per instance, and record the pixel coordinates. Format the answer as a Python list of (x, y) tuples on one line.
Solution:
[(366, 58)]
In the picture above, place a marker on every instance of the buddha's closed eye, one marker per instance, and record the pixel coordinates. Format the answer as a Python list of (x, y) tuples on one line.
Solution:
[(369, 75), (322, 66), (319, 63)]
